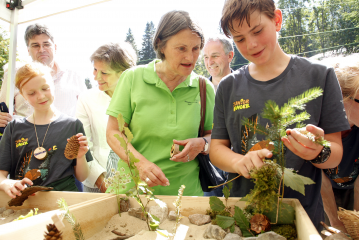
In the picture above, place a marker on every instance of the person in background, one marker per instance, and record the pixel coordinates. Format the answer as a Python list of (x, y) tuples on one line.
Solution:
[(273, 75), (42, 48), (218, 54), (33, 148), (160, 103), (340, 186), (109, 61)]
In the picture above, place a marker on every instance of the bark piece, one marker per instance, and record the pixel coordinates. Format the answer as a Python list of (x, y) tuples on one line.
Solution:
[(19, 200)]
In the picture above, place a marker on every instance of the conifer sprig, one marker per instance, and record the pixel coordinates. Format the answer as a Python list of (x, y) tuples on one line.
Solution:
[(70, 218)]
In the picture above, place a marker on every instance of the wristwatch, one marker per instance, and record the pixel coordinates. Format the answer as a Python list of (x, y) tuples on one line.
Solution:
[(206, 146), (323, 156)]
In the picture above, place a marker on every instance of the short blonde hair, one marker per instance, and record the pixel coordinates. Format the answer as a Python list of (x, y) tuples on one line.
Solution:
[(29, 71), (347, 70)]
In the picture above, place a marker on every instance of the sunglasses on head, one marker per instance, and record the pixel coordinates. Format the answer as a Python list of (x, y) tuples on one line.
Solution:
[(356, 100)]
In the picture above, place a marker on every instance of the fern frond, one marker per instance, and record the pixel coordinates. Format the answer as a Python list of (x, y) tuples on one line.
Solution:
[(271, 111), (295, 119), (70, 218)]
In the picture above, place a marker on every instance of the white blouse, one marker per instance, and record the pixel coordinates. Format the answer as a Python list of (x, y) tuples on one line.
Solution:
[(91, 111)]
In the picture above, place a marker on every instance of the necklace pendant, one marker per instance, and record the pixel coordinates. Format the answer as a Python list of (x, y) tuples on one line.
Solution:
[(40, 153)]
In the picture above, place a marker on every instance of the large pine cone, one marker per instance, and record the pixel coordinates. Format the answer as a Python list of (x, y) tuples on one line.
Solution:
[(52, 233), (259, 223), (72, 148)]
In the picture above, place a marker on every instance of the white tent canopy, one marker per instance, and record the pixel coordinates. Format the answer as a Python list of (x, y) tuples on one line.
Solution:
[(33, 10)]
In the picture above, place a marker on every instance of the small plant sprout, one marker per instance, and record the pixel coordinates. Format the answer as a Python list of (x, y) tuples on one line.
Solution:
[(269, 181), (117, 182), (178, 205), (76, 228), (140, 188)]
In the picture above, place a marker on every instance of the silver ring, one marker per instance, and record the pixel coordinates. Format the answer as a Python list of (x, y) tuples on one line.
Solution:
[(187, 158), (147, 179)]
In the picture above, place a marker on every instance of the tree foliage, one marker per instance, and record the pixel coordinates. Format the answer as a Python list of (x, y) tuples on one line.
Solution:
[(147, 54), (4, 51), (311, 27), (131, 40), (200, 67)]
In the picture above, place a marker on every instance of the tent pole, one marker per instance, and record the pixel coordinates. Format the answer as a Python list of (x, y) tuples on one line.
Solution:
[(12, 60)]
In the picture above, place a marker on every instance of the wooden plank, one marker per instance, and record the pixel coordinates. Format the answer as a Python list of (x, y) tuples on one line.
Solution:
[(47, 201)]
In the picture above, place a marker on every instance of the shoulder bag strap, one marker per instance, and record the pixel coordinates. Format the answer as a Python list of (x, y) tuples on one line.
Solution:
[(202, 90)]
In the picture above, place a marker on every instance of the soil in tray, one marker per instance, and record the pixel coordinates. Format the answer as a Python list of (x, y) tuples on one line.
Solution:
[(133, 226), (8, 215)]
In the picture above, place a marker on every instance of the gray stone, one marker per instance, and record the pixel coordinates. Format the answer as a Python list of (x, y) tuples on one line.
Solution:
[(250, 238), (337, 236), (270, 236), (172, 216), (214, 231), (199, 219), (7, 212), (232, 236), (159, 211), (2, 209), (136, 212), (124, 204), (237, 231)]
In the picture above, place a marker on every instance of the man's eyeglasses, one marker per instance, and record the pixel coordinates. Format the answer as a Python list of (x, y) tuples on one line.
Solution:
[(44, 46), (354, 99)]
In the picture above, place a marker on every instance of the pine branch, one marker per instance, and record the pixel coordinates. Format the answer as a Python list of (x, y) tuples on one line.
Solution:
[(76, 228)]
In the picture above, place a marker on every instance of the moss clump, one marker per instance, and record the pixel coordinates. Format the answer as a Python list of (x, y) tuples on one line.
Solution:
[(287, 231), (264, 195), (226, 212)]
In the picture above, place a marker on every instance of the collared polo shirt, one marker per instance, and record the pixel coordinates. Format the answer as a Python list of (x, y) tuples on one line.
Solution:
[(156, 116)]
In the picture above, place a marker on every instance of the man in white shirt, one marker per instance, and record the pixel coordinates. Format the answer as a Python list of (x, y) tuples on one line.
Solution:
[(68, 84), (218, 54)]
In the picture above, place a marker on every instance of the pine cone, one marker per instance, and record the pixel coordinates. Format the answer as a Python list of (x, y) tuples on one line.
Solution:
[(52, 233), (259, 223), (72, 148)]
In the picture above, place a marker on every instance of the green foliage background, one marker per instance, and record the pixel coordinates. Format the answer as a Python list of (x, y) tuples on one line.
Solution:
[(4, 51)]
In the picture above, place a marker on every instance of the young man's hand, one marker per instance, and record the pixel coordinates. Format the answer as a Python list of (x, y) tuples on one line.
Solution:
[(254, 159), (301, 145)]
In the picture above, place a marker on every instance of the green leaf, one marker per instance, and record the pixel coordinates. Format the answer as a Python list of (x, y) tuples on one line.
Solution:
[(121, 122), (226, 191), (154, 221), (216, 204), (132, 158), (242, 222), (306, 180), (129, 134), (232, 228), (224, 221), (286, 214), (122, 141), (292, 180)]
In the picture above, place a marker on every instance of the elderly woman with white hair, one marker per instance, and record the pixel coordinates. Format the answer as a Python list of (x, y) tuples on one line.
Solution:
[(109, 62)]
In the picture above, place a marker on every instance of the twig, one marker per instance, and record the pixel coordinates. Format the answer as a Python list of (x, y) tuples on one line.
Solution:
[(330, 229), (225, 182)]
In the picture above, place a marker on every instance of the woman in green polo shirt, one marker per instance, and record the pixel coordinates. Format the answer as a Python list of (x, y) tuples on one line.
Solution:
[(160, 103)]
